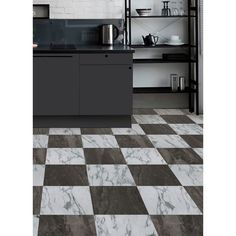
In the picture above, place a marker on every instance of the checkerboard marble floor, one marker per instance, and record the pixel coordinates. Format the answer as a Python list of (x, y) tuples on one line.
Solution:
[(142, 181)]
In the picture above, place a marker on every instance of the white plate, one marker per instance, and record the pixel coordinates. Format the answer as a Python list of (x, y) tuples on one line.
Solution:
[(144, 14), (175, 44)]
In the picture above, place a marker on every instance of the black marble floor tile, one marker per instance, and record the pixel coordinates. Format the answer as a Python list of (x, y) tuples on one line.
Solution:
[(65, 175), (172, 225), (180, 156), (96, 131), (37, 196), (153, 175), (195, 141), (157, 129), (40, 130), (39, 155), (64, 141), (144, 111), (117, 200), (103, 156), (55, 225), (133, 141), (196, 193), (177, 119)]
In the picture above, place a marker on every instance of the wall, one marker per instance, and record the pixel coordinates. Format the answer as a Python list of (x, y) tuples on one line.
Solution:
[(69, 9)]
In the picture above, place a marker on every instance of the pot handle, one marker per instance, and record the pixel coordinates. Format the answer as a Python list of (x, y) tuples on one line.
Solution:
[(117, 32)]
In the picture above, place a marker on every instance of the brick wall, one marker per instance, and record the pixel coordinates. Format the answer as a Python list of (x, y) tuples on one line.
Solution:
[(69, 9)]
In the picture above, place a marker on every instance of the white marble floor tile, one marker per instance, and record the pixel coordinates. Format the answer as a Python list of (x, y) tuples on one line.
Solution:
[(142, 156), (109, 175), (187, 129), (135, 130), (38, 175), (168, 200), (65, 156), (188, 175), (169, 111), (99, 141), (66, 200), (168, 141), (186, 111), (149, 119), (35, 225), (40, 141), (197, 119), (124, 225), (64, 131), (199, 151)]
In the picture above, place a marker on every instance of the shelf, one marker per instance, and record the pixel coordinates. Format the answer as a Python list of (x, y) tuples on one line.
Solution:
[(159, 90), (160, 60), (158, 46), (159, 16)]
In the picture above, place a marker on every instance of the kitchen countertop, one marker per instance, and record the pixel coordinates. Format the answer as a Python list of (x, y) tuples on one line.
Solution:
[(83, 49)]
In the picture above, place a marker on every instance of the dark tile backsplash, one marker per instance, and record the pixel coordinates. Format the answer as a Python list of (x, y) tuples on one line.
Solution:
[(78, 32)]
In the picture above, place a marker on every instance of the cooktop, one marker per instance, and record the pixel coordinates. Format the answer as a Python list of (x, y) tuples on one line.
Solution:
[(62, 46)]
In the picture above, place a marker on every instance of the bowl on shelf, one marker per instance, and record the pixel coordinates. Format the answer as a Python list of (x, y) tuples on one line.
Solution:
[(144, 11)]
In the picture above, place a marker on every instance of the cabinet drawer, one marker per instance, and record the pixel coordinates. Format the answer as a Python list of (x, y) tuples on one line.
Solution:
[(106, 58), (106, 90), (55, 85)]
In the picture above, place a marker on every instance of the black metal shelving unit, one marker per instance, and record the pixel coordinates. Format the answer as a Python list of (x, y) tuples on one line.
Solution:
[(191, 47)]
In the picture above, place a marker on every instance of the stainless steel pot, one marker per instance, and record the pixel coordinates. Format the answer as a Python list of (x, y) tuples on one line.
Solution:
[(109, 33)]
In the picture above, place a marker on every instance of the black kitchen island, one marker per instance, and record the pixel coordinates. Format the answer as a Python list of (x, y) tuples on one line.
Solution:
[(82, 86)]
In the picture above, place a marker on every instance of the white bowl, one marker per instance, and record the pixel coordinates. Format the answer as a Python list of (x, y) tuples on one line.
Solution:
[(143, 11)]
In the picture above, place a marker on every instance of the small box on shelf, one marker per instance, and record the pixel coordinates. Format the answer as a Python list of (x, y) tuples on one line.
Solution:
[(175, 56), (41, 11)]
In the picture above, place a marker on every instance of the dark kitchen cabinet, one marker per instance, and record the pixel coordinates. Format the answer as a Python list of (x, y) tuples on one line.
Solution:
[(106, 89), (56, 85)]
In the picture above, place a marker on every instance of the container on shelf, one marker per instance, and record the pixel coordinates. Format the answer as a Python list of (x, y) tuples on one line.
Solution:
[(174, 83), (182, 83)]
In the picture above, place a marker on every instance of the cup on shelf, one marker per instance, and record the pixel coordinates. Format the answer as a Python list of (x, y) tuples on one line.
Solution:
[(174, 9), (175, 12), (174, 82), (182, 8), (175, 40), (181, 12)]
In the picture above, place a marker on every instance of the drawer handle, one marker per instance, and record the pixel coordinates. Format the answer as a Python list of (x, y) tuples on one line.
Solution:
[(106, 55), (53, 56), (130, 67)]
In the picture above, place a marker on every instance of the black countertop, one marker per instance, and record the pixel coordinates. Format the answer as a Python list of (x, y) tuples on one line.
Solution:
[(83, 49)]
